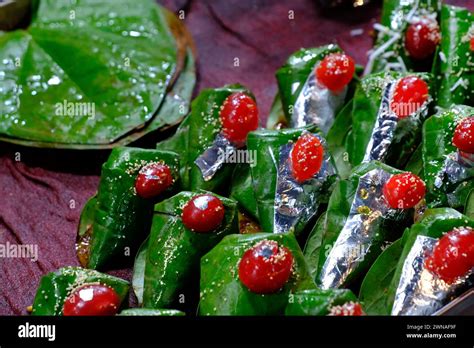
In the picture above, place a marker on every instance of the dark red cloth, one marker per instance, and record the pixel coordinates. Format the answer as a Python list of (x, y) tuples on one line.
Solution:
[(42, 192)]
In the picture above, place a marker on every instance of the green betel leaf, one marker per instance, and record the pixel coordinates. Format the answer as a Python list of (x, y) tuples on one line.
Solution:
[(439, 154), (122, 219), (204, 125), (312, 248), (179, 143), (469, 208), (455, 62), (389, 52), (90, 74), (366, 105), (242, 190), (55, 287), (147, 312), (374, 288), (174, 252), (434, 224), (316, 302), (197, 134), (295, 72), (222, 293), (266, 145), (337, 138), (415, 163), (138, 278), (174, 107)]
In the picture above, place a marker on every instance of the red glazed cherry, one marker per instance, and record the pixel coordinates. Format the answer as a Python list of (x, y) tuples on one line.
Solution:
[(471, 44), (203, 213), (422, 37), (153, 179), (335, 71), (239, 116), (347, 309), (463, 137), (403, 191), (92, 299), (453, 255), (266, 267), (306, 157), (409, 96)]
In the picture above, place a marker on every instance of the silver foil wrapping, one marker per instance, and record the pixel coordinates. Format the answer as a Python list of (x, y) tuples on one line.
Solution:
[(212, 159), (316, 105), (420, 292), (385, 125), (359, 231), (455, 169), (466, 160), (295, 202)]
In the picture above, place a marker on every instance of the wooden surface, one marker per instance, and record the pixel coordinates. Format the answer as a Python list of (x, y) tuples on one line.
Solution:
[(42, 192)]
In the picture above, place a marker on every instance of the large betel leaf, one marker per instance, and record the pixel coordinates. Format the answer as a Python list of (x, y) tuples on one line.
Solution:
[(109, 64), (173, 253), (55, 287), (174, 107), (434, 224), (222, 293), (122, 218), (440, 157), (389, 52), (455, 61)]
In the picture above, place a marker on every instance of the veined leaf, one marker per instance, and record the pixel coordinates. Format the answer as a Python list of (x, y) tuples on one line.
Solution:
[(91, 74)]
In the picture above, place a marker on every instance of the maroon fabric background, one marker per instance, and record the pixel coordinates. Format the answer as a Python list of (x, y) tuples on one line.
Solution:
[(42, 192)]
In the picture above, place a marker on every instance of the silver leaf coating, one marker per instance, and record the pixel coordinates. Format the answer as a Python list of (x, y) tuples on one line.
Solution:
[(359, 231), (296, 202), (212, 159), (419, 291), (316, 105), (386, 123)]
